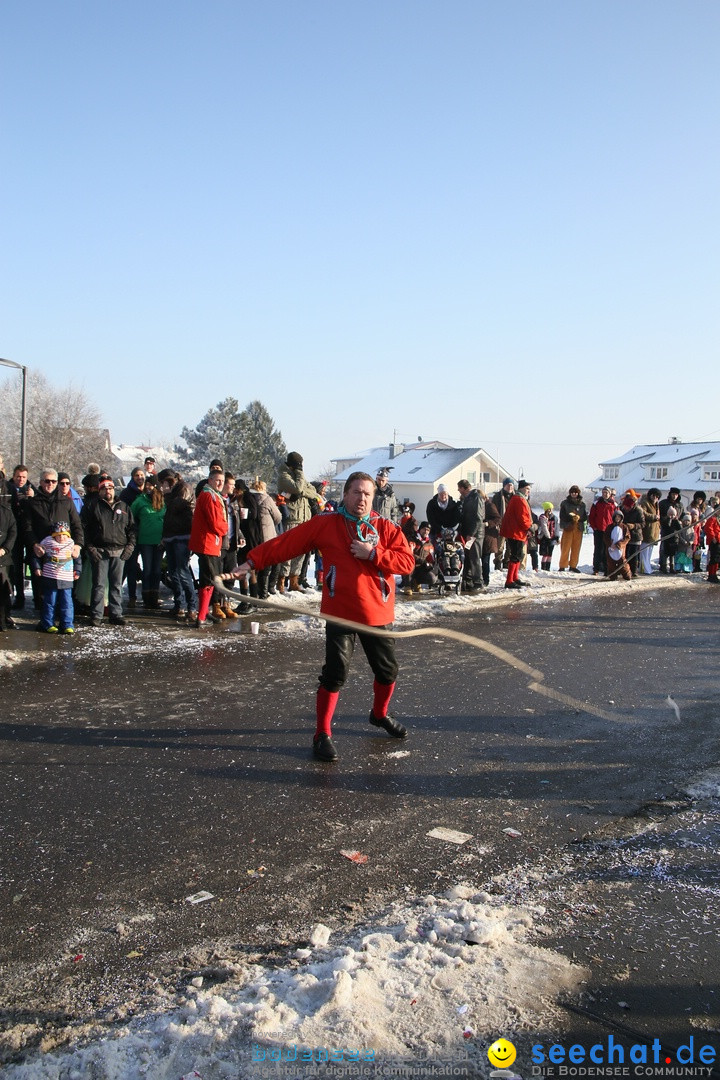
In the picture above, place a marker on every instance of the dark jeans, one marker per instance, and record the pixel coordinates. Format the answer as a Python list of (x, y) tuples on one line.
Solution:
[(631, 553), (132, 573), (151, 555), (599, 551), (472, 567), (177, 553), (109, 569), (339, 649)]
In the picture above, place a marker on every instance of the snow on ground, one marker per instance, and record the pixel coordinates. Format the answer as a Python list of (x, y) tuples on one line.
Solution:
[(432, 980)]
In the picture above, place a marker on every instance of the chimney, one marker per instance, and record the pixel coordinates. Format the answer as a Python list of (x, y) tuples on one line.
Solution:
[(396, 449)]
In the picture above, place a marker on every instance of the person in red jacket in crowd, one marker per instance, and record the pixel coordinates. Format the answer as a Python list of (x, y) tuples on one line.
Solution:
[(516, 522), (209, 525), (361, 553), (600, 516), (711, 528)]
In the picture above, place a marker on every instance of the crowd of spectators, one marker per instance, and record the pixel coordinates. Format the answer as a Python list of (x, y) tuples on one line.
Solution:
[(77, 550)]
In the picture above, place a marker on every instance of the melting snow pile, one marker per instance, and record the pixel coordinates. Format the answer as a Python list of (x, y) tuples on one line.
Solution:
[(432, 980)]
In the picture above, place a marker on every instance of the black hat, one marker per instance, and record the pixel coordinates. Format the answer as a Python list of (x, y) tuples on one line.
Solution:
[(674, 491), (294, 460), (524, 484)]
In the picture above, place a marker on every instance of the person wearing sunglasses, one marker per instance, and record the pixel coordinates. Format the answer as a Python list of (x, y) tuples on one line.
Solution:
[(47, 508)]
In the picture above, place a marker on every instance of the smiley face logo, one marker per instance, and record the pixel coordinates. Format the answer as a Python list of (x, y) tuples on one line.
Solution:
[(501, 1054)]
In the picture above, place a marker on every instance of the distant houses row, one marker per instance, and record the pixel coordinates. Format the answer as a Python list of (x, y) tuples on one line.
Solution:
[(417, 469)]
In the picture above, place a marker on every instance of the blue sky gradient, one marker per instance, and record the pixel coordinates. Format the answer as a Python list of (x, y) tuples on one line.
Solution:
[(489, 223)]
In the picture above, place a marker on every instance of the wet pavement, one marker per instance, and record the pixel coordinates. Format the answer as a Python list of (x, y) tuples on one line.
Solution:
[(142, 765)]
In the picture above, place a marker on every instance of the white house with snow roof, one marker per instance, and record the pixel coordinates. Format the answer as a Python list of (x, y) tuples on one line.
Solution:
[(691, 467), (417, 470)]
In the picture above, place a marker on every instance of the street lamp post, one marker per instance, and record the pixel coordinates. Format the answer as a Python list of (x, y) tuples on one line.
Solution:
[(20, 367)]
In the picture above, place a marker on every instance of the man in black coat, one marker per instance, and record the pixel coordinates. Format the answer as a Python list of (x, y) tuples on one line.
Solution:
[(673, 501), (21, 489), (110, 534), (8, 532), (500, 501), (472, 529), (47, 507)]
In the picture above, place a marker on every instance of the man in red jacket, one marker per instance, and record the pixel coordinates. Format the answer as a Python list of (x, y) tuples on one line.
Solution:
[(361, 552), (516, 522), (209, 525)]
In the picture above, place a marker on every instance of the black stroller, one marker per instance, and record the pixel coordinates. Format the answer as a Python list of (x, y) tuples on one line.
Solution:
[(450, 558)]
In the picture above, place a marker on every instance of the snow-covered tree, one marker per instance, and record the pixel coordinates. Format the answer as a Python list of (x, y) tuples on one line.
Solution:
[(263, 449), (63, 427), (246, 442), (216, 436)]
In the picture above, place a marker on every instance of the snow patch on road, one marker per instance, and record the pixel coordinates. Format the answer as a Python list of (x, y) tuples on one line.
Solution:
[(427, 980)]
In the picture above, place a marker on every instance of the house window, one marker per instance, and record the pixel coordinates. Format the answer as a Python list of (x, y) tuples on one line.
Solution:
[(658, 472), (471, 477), (711, 474), (486, 478), (611, 472)]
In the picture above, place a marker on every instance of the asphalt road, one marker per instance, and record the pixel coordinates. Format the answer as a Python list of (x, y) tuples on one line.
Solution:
[(132, 777)]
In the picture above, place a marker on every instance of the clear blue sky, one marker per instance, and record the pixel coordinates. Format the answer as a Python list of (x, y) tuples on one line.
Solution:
[(490, 223)]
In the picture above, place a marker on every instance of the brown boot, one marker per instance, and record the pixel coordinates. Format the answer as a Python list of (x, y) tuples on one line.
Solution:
[(218, 612), (229, 613), (295, 583), (281, 585)]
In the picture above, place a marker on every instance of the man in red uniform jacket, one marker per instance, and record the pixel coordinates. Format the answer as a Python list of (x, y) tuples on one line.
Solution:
[(515, 524), (209, 525), (361, 552)]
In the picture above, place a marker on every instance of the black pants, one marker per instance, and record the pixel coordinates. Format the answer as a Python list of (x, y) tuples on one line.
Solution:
[(339, 649)]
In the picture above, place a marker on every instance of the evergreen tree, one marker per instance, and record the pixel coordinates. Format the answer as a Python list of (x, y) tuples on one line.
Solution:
[(246, 442), (263, 449), (216, 436)]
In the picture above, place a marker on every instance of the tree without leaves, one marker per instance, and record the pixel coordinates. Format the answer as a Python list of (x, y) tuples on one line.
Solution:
[(62, 430)]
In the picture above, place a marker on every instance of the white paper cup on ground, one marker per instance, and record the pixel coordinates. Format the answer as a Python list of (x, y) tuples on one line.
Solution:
[(254, 627)]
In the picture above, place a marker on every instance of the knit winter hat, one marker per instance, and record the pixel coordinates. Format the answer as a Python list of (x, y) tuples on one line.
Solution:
[(61, 528), (547, 506)]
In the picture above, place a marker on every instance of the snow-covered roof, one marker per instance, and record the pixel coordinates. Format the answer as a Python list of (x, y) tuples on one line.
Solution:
[(416, 464), (643, 466)]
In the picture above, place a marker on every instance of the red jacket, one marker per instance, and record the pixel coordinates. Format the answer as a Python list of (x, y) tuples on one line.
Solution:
[(601, 514), (711, 528), (517, 519), (209, 523), (362, 590)]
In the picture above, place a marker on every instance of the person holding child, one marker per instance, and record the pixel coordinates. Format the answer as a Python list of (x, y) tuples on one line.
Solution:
[(58, 571)]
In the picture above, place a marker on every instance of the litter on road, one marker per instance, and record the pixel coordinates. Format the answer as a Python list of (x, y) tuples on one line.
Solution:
[(451, 835)]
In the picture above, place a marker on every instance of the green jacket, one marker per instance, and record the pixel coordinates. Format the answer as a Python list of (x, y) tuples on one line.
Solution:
[(149, 521)]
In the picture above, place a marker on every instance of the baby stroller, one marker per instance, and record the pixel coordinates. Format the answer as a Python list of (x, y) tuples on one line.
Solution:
[(450, 558)]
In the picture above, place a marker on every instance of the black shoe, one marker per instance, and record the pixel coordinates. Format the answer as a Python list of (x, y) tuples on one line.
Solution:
[(10, 623), (323, 748), (561, 569), (18, 604), (575, 570), (117, 620), (523, 584), (244, 608), (391, 726), (94, 621), (513, 585)]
